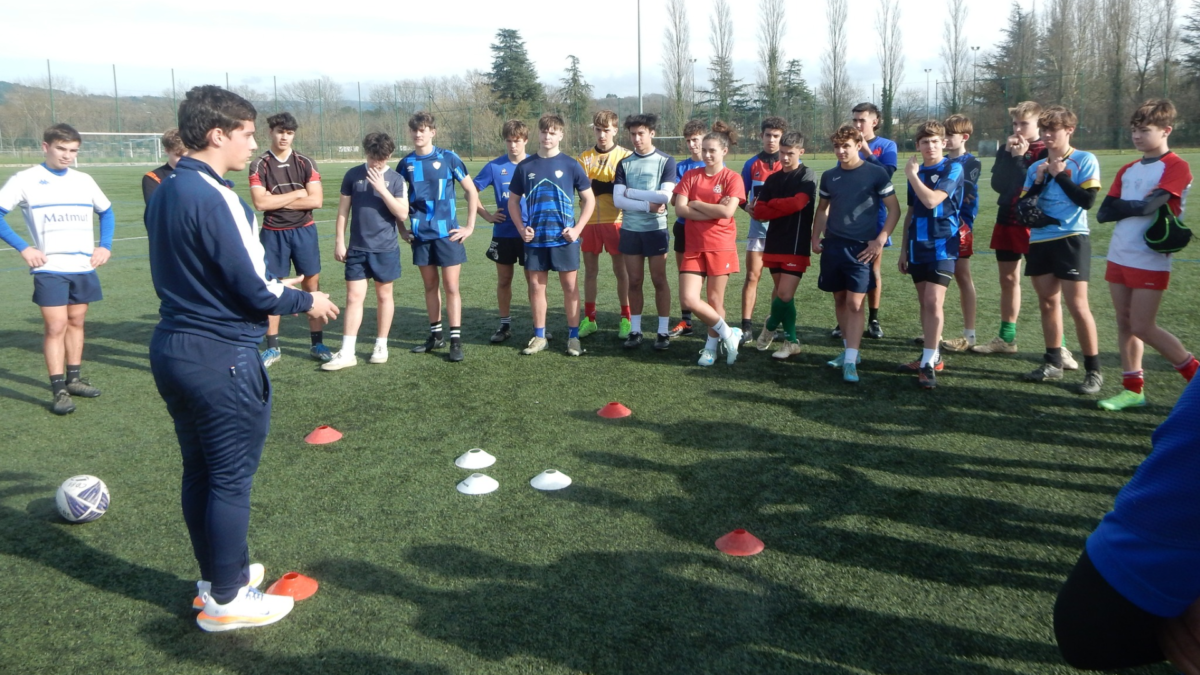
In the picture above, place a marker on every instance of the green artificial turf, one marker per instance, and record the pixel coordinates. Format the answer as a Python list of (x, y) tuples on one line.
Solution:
[(906, 531)]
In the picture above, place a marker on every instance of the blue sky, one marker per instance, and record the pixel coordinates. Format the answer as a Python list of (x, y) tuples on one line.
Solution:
[(384, 41)]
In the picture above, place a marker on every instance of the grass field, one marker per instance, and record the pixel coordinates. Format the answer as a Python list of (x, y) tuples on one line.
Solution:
[(906, 531)]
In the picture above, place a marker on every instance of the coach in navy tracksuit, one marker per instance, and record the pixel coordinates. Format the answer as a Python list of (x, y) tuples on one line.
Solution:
[(210, 274)]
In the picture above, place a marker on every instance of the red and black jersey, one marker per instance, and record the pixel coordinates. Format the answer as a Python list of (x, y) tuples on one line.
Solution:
[(788, 200), (279, 177), (152, 179), (1008, 179)]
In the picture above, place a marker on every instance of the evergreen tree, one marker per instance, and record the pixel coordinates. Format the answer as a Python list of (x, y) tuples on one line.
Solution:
[(1010, 68), (576, 92), (513, 79)]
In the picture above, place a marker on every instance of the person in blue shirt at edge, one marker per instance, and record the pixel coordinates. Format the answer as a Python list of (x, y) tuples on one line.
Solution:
[(865, 117), (437, 238), (755, 172), (958, 132), (930, 242), (693, 135), (1133, 597), (1059, 258), (507, 247), (209, 272), (64, 256)]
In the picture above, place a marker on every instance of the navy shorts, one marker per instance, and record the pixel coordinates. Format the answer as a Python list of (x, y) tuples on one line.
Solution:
[(506, 251), (646, 244), (840, 268), (438, 252), (57, 290), (552, 258), (680, 241), (297, 245), (939, 272), (383, 266)]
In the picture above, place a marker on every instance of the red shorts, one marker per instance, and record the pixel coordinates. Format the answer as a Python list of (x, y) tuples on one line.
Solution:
[(966, 243), (710, 263), (601, 237), (786, 262), (1132, 277), (1010, 238)]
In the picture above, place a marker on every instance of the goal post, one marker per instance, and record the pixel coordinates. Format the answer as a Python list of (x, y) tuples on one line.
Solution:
[(101, 147)]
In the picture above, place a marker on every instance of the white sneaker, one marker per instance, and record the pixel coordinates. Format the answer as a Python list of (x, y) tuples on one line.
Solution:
[(788, 350), (731, 345), (707, 357), (203, 588), (249, 609), (379, 355), (765, 338), (1069, 362), (341, 360)]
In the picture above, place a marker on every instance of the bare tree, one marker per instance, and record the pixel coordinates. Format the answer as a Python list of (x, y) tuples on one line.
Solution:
[(772, 25), (911, 109), (725, 88), (678, 65), (891, 57), (1147, 45), (835, 77), (1170, 42), (954, 53), (1118, 27)]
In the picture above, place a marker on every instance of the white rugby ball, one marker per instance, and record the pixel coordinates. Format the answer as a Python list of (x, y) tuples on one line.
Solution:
[(82, 499)]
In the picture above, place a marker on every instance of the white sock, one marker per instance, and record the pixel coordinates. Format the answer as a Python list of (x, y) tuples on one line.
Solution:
[(722, 329), (969, 333), (348, 342), (381, 342), (928, 356), (851, 355), (636, 320), (664, 325), (711, 344), (843, 344)]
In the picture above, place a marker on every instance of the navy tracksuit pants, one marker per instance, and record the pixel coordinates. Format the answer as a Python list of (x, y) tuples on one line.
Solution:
[(220, 398)]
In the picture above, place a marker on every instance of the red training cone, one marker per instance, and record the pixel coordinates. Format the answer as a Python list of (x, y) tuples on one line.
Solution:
[(294, 584), (614, 411), (322, 435), (740, 542)]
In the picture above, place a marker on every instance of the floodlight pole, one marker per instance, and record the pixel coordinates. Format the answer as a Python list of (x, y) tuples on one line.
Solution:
[(275, 86), (639, 38), (50, 88), (117, 98), (174, 103), (928, 108)]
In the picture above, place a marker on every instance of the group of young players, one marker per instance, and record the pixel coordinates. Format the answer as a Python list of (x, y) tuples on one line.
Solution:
[(847, 218)]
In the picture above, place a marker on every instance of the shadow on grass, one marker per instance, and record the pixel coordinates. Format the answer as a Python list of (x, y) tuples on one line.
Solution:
[(649, 612), (184, 643), (39, 535)]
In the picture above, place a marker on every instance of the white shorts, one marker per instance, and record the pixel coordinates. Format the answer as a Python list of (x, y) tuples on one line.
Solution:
[(756, 245)]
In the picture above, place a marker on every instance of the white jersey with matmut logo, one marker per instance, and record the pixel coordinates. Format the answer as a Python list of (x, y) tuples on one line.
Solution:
[(58, 212)]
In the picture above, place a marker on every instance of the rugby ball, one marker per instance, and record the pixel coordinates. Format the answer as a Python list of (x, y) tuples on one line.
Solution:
[(81, 499)]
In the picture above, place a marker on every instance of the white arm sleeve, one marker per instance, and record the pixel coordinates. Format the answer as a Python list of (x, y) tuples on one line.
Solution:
[(621, 201), (660, 196)]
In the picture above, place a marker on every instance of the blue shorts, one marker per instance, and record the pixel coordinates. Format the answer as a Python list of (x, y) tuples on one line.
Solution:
[(648, 244), (757, 230), (382, 266), (840, 268), (552, 258), (297, 245), (57, 290), (438, 252), (939, 272)]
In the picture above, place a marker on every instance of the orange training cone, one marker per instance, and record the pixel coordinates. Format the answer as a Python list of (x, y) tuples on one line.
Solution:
[(322, 435), (294, 584), (740, 542), (614, 410)]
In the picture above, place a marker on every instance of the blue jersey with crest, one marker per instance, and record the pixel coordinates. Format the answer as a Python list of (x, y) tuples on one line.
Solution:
[(933, 233), (431, 193), (498, 174)]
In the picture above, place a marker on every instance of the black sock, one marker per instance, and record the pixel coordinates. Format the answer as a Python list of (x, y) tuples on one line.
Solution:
[(58, 383), (455, 335), (747, 324), (1054, 356), (687, 316), (506, 323), (872, 314), (436, 329), (317, 337), (72, 373), (1089, 362), (273, 341)]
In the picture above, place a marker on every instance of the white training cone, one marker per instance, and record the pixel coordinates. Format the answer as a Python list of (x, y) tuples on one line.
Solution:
[(478, 484), (475, 458), (550, 480)]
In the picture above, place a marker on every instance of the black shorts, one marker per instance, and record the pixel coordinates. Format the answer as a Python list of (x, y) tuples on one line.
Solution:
[(1007, 256), (648, 244), (1069, 258), (677, 232), (507, 251), (939, 272)]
